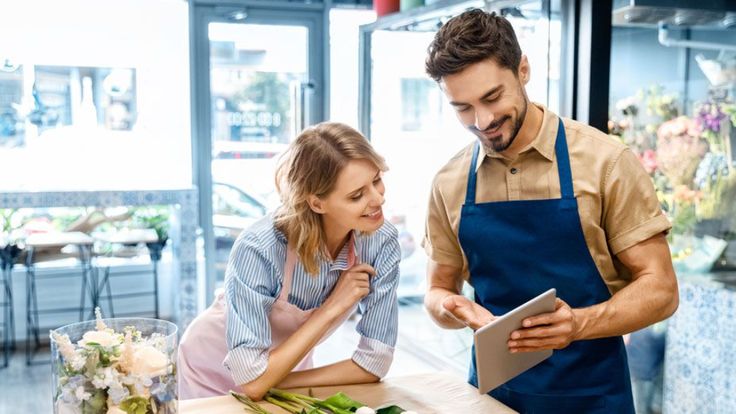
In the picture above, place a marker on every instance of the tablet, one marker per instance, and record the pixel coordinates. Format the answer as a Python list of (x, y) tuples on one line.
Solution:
[(494, 364)]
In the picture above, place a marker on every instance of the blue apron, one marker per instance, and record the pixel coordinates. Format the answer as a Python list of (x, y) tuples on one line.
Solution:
[(519, 249)]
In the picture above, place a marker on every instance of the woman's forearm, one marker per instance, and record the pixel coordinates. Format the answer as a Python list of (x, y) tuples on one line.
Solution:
[(339, 373), (286, 356)]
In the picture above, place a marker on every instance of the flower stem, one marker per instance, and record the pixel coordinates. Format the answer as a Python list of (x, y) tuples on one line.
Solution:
[(250, 404), (283, 404)]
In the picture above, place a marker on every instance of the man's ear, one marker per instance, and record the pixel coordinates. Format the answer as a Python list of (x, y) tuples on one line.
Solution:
[(524, 70), (316, 204)]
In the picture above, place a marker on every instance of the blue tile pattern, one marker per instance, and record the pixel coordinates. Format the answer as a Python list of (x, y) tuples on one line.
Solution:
[(700, 355)]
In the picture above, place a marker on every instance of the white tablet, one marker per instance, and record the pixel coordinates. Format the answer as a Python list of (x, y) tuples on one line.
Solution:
[(494, 364)]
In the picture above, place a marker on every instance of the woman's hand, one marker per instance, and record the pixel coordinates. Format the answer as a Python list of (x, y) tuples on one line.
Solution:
[(352, 286)]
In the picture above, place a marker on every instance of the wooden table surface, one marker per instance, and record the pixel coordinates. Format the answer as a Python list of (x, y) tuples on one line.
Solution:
[(439, 393)]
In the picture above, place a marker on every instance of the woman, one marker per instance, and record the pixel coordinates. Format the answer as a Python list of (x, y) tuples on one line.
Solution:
[(295, 276)]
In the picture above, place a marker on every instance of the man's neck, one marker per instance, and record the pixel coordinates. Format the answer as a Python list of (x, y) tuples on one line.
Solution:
[(530, 127)]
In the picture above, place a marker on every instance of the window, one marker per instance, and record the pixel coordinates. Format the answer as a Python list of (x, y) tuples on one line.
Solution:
[(93, 96)]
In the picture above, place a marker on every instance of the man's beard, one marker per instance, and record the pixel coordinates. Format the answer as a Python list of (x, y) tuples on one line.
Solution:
[(499, 145)]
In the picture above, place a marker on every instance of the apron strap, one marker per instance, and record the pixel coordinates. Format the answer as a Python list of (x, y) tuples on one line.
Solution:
[(288, 273), (353, 251), (563, 163), (470, 191)]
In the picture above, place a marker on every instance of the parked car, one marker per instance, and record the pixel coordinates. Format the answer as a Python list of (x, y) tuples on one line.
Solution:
[(233, 210), (246, 150)]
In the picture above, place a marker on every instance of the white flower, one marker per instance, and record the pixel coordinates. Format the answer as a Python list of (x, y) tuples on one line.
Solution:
[(66, 349), (98, 317), (117, 393), (140, 383), (106, 338), (66, 408), (126, 352), (365, 410), (409, 412), (72, 389), (624, 104), (81, 394), (78, 360), (149, 361), (105, 378), (114, 409)]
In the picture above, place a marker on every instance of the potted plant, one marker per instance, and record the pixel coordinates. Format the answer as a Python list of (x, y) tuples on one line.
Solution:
[(157, 219), (10, 248)]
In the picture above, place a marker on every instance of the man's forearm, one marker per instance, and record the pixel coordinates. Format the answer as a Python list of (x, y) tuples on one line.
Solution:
[(645, 301), (433, 302)]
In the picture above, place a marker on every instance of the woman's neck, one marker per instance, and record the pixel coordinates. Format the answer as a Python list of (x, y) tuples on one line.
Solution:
[(335, 240)]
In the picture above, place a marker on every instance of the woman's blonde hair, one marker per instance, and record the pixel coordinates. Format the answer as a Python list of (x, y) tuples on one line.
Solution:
[(310, 167)]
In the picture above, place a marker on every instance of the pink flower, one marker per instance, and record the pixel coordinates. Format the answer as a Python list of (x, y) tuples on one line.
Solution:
[(679, 150), (649, 160)]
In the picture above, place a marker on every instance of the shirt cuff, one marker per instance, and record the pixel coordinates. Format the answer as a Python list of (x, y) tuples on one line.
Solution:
[(656, 225), (246, 364), (374, 356)]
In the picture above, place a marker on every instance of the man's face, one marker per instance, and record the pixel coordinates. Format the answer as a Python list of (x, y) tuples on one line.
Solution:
[(490, 101)]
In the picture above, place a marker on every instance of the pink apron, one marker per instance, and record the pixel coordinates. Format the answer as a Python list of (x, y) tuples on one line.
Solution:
[(203, 346)]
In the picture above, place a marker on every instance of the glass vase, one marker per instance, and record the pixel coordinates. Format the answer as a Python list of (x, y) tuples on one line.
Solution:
[(115, 366)]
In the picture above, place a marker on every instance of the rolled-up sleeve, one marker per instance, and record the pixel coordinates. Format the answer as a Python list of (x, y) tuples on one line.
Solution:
[(379, 325), (250, 287), (631, 210)]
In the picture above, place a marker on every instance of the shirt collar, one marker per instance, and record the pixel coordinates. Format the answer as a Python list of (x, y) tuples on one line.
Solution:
[(543, 143), (344, 259)]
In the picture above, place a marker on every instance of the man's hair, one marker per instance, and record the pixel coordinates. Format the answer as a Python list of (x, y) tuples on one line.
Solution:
[(469, 38)]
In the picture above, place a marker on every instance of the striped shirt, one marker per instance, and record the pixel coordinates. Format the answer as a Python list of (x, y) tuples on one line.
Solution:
[(253, 281)]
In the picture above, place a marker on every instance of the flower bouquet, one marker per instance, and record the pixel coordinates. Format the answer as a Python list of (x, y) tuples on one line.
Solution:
[(115, 366)]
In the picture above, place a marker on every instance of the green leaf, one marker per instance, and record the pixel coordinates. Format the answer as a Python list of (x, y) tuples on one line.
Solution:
[(96, 404), (342, 401), (335, 410), (393, 409), (134, 405)]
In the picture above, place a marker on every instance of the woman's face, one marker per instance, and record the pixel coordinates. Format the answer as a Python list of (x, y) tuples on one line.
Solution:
[(355, 202)]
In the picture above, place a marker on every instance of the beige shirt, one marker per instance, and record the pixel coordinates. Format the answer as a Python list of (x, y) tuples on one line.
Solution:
[(617, 201)]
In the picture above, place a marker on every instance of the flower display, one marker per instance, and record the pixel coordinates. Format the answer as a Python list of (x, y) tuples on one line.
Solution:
[(680, 150), (115, 366), (690, 160)]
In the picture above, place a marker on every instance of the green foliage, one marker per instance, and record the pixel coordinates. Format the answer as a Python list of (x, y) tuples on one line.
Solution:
[(96, 404), (394, 409), (135, 405), (156, 218), (295, 403)]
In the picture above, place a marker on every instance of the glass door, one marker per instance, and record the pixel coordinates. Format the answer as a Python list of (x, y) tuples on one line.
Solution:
[(263, 86)]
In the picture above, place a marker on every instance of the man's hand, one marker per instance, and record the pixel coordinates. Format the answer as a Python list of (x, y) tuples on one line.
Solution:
[(553, 330), (467, 312)]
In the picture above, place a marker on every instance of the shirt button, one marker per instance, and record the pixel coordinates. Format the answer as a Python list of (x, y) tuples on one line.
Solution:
[(514, 171)]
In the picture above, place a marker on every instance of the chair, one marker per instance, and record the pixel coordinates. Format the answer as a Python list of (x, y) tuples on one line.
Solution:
[(106, 263), (47, 247), (9, 254)]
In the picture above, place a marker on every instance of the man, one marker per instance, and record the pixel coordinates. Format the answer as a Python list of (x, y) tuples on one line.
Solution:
[(540, 202)]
